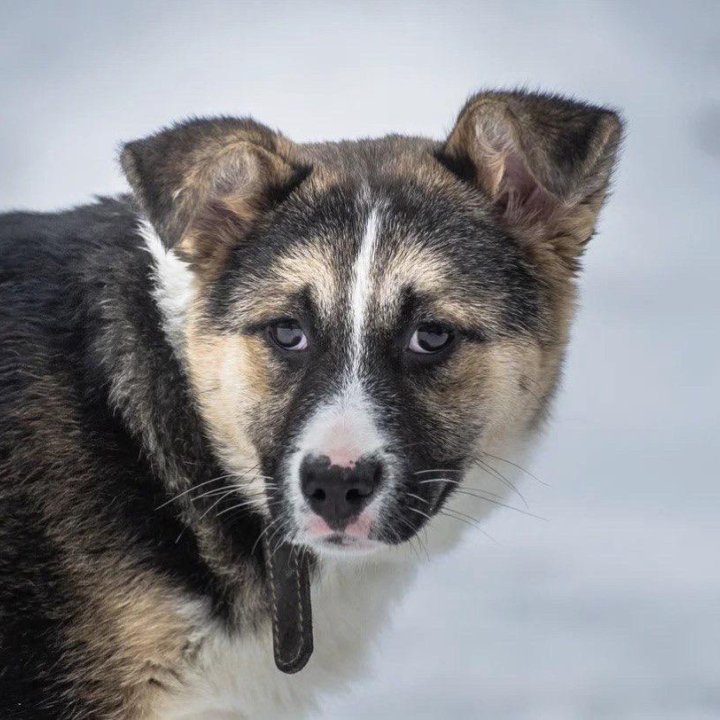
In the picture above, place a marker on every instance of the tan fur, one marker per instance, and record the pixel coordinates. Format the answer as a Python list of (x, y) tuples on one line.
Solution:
[(230, 382), (131, 639), (430, 274), (309, 266), (134, 625)]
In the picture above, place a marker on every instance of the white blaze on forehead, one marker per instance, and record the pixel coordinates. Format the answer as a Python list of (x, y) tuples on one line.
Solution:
[(361, 287), (344, 428)]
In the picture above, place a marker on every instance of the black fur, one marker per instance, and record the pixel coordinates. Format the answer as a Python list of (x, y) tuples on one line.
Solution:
[(75, 309)]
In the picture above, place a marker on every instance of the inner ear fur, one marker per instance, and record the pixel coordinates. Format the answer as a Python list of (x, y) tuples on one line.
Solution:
[(226, 170), (543, 161)]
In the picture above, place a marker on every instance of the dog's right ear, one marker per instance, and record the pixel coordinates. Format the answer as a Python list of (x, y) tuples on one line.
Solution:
[(234, 169)]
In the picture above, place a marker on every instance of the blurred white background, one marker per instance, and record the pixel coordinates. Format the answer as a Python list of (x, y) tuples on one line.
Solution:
[(610, 608)]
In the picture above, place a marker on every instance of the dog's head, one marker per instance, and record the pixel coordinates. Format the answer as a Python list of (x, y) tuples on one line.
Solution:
[(371, 321)]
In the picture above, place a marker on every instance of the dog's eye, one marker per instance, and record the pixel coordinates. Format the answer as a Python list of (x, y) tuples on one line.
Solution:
[(288, 335), (430, 338)]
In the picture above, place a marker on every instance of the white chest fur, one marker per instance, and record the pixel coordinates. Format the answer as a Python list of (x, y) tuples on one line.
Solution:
[(236, 679)]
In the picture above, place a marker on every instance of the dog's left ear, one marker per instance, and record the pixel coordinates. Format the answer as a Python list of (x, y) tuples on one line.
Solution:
[(543, 161)]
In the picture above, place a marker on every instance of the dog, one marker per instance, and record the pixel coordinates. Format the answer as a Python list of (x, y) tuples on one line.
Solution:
[(239, 405)]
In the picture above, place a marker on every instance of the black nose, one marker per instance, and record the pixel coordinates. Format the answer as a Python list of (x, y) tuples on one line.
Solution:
[(338, 494)]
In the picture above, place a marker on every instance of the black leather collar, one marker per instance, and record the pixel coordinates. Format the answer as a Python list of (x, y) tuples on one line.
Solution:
[(288, 573)]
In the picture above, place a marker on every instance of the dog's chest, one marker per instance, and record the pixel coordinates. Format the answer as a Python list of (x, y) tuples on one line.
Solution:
[(235, 678)]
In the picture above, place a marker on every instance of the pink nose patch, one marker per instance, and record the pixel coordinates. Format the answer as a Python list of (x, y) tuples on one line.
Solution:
[(343, 457), (337, 443)]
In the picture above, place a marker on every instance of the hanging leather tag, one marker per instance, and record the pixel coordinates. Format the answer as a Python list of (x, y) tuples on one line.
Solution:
[(288, 573)]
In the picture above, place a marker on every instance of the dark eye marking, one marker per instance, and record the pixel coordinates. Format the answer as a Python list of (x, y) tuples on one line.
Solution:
[(288, 335)]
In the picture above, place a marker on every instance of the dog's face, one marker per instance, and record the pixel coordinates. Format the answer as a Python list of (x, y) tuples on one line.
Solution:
[(371, 320)]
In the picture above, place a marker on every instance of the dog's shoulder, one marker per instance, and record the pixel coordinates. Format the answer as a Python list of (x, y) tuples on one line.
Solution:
[(37, 236), (55, 264)]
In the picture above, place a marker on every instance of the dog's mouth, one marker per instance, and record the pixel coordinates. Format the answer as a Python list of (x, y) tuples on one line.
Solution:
[(343, 540), (355, 537), (344, 544)]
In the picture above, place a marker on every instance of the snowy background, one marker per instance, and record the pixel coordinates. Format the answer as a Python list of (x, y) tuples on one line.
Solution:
[(611, 607)]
